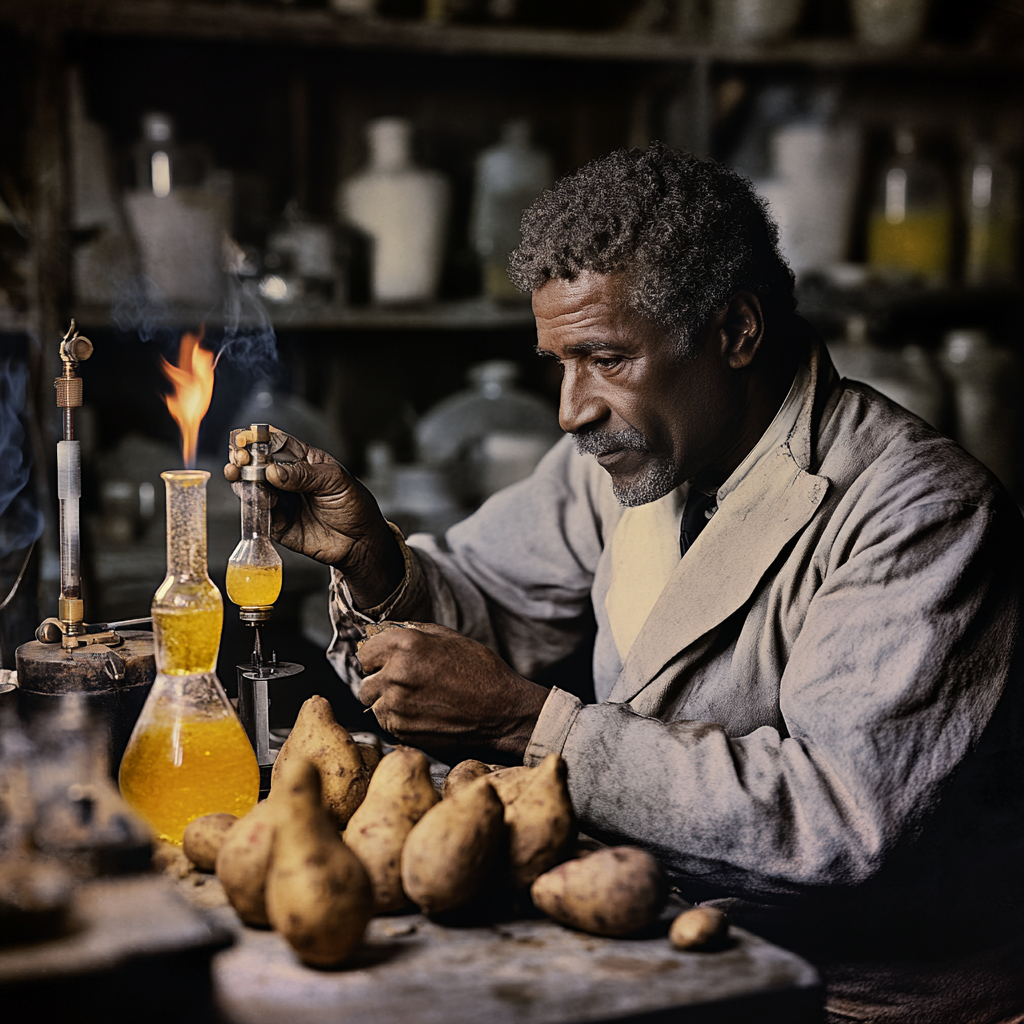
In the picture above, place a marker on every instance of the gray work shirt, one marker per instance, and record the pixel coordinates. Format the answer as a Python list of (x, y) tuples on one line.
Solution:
[(818, 724)]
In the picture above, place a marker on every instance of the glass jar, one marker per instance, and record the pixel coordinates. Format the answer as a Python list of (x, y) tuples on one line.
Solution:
[(911, 222), (991, 201)]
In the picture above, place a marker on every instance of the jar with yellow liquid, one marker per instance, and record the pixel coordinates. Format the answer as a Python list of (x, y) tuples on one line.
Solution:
[(188, 755), (910, 229)]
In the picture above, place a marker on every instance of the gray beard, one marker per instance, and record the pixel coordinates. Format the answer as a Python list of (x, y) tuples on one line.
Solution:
[(654, 483)]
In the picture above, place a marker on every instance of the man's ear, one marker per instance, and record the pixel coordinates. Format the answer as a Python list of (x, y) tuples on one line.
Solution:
[(742, 330)]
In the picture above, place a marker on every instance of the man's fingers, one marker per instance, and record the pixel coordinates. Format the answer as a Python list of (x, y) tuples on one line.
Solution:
[(374, 653), (320, 479), (231, 472), (372, 688)]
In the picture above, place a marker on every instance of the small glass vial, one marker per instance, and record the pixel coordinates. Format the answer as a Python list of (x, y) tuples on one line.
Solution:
[(188, 755), (254, 568), (911, 223)]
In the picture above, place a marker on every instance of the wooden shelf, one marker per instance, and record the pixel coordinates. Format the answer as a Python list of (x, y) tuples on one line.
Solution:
[(466, 315), (240, 22)]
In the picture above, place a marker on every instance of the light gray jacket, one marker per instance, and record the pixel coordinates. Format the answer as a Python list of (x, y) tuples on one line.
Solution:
[(807, 723)]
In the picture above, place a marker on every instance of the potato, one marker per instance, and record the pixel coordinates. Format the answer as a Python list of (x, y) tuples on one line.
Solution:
[(508, 782), (319, 896), (369, 749), (703, 928), (540, 822), (615, 891), (451, 850), (204, 837), (463, 772), (318, 738), (370, 755), (244, 859), (400, 793)]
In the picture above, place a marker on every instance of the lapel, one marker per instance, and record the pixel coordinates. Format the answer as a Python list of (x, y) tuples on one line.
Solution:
[(720, 572)]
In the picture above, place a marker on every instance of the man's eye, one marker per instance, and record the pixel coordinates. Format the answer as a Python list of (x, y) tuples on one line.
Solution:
[(608, 362)]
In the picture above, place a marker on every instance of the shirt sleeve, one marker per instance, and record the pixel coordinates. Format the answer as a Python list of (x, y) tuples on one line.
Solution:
[(516, 575), (905, 650)]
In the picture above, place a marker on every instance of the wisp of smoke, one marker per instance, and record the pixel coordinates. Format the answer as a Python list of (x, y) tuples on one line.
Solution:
[(246, 338)]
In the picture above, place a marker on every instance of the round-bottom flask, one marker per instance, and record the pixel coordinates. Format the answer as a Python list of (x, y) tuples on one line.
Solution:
[(188, 755), (254, 569)]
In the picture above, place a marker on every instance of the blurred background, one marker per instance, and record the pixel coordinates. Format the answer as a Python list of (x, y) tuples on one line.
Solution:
[(326, 191)]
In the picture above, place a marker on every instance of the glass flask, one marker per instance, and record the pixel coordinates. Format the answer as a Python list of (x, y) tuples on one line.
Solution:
[(188, 755), (254, 568), (911, 223)]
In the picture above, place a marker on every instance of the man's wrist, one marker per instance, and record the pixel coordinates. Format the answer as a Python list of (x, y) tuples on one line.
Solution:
[(375, 569), (516, 740)]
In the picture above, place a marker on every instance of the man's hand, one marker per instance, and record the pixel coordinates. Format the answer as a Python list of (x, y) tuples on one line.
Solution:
[(325, 513), (436, 689)]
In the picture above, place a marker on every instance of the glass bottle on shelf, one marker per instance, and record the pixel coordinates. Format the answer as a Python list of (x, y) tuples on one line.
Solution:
[(403, 209), (991, 201), (508, 178), (188, 755), (910, 226)]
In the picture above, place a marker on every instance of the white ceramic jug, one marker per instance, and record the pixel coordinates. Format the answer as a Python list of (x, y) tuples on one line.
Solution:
[(403, 209)]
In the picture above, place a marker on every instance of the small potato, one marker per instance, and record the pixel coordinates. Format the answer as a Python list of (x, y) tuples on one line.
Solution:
[(615, 891), (540, 822), (370, 749), (452, 849), (244, 859), (317, 737), (463, 773), (371, 756), (318, 894), (508, 782), (703, 928), (400, 794), (204, 837)]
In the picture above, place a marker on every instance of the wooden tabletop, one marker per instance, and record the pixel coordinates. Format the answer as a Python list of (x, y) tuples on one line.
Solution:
[(533, 971)]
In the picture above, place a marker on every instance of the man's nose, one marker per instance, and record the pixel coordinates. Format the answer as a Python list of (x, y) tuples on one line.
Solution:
[(579, 405)]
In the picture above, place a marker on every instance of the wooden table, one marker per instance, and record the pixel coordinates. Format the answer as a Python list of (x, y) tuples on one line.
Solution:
[(411, 969), (170, 949)]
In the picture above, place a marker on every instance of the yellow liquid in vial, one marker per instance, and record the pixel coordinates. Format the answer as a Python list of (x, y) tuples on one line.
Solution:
[(919, 243), (250, 585), (174, 771), (188, 638)]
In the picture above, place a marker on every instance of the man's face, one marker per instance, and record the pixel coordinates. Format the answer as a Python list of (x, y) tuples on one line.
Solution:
[(651, 418)]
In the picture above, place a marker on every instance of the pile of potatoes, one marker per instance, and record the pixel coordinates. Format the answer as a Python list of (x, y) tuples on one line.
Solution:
[(342, 837)]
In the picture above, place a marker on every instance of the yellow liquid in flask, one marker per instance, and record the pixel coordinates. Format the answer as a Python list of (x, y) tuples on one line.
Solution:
[(253, 585), (178, 769), (188, 637)]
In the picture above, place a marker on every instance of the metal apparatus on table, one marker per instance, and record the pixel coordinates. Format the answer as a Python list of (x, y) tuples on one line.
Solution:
[(109, 663), (254, 580)]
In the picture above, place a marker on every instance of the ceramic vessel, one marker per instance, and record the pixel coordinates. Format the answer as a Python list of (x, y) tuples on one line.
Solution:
[(404, 211)]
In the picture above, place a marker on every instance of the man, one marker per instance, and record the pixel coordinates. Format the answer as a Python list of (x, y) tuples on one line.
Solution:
[(803, 604)]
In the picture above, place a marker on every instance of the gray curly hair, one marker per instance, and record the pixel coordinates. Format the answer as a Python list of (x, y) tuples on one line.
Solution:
[(689, 234)]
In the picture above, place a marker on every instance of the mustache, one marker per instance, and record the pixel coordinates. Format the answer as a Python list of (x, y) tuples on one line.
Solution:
[(601, 442)]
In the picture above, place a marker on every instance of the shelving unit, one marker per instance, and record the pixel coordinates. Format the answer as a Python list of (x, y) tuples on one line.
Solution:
[(671, 83), (286, 90)]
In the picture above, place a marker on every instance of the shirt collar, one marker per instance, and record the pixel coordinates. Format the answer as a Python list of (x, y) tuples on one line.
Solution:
[(778, 431)]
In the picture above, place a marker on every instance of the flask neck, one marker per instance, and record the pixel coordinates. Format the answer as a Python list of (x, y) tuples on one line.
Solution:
[(186, 522), (255, 511)]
